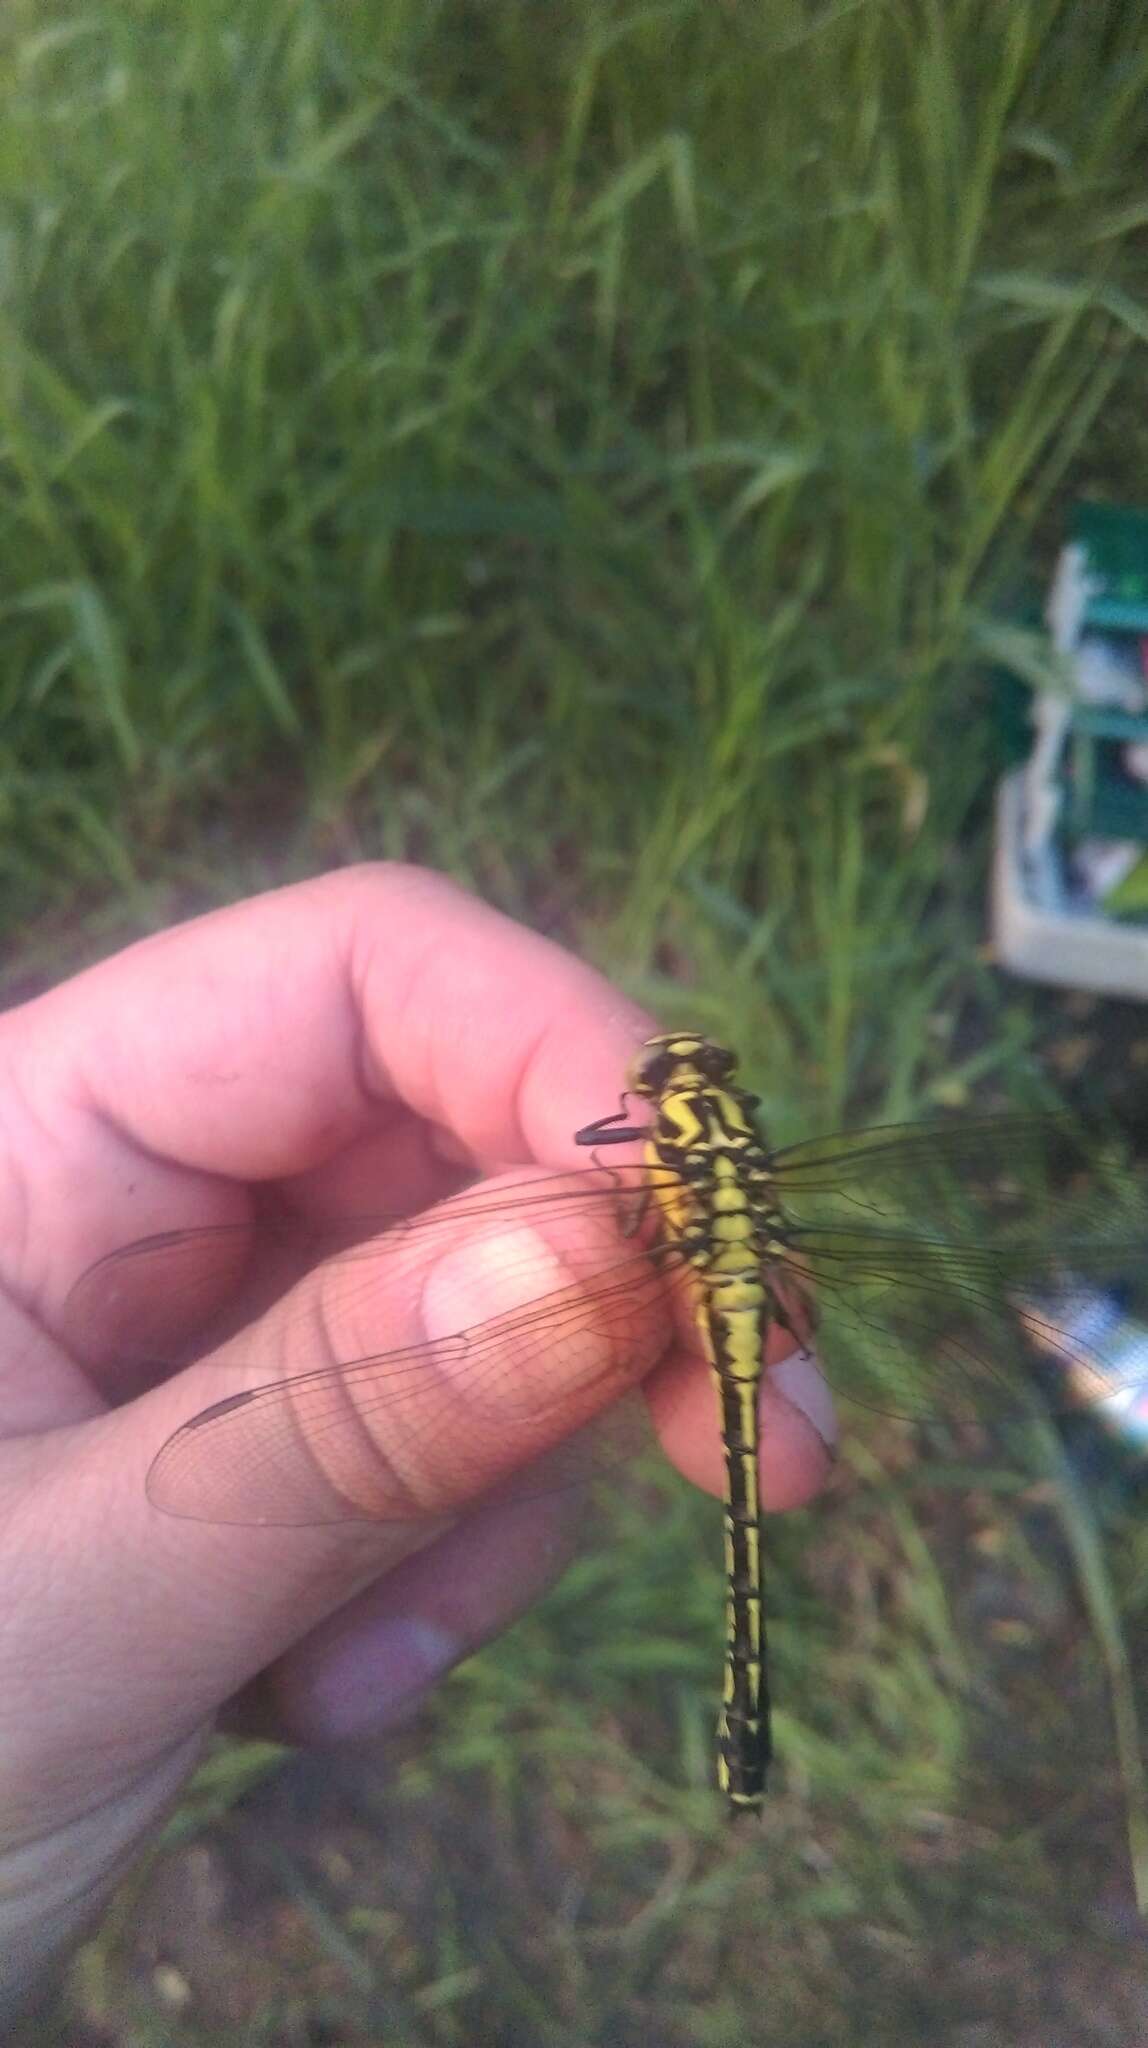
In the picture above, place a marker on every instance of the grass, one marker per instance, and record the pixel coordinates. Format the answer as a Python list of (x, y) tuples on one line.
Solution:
[(586, 447)]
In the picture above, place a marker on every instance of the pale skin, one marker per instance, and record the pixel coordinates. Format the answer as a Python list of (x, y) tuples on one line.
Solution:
[(348, 1042)]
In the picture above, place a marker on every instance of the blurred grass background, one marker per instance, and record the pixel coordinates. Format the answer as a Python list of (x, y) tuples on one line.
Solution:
[(590, 448)]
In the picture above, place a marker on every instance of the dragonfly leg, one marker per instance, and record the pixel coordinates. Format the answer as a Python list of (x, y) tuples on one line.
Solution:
[(611, 1130), (635, 1217)]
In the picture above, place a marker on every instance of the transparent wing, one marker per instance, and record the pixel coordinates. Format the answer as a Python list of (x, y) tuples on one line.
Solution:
[(165, 1300), (920, 1246), (933, 1336), (965, 1177), (938, 1252), (419, 1430), (888, 1157), (429, 1429)]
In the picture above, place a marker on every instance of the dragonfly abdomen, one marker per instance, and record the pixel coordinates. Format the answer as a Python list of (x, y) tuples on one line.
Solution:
[(735, 1316), (721, 1211)]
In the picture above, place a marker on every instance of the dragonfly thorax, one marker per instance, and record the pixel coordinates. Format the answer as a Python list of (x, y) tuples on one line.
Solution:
[(706, 1124), (723, 1196)]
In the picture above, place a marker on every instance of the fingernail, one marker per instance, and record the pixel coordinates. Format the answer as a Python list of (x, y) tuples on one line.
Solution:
[(412, 1656), (800, 1380), (384, 1671)]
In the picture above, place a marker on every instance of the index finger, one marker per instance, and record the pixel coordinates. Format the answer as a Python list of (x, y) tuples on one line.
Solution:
[(260, 1041)]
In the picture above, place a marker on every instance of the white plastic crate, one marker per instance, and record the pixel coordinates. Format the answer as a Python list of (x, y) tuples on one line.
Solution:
[(1038, 935), (1048, 922)]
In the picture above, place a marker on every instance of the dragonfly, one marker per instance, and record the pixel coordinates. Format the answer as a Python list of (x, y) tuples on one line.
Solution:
[(920, 1252)]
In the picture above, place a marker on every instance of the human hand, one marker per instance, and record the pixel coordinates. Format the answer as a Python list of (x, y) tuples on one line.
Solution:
[(345, 1044)]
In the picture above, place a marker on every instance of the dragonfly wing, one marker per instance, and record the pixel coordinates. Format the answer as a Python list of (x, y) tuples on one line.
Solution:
[(167, 1299), (1040, 1186), (934, 1247), (427, 1429), (889, 1160), (921, 1327)]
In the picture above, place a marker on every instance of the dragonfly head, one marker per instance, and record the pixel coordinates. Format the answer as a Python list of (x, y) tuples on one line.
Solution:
[(679, 1059)]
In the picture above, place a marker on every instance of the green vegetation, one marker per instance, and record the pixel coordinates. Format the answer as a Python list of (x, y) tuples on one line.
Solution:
[(585, 446)]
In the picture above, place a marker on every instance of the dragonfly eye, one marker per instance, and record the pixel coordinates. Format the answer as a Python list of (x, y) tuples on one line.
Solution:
[(685, 1055), (715, 1061), (651, 1072)]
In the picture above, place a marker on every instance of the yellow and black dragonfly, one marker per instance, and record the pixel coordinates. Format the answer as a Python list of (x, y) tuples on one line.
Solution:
[(918, 1249)]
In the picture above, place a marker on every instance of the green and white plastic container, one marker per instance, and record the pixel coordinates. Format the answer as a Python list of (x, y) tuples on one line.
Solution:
[(1070, 875)]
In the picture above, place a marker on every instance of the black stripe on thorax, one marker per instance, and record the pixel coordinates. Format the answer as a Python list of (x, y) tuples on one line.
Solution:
[(718, 1116)]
